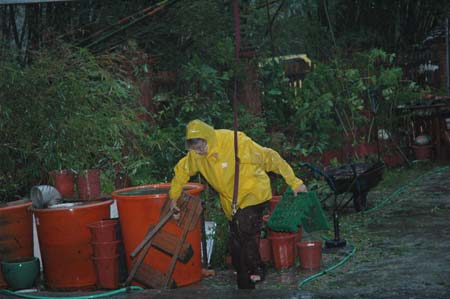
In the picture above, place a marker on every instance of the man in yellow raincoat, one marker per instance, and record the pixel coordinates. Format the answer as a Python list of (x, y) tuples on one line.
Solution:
[(211, 152)]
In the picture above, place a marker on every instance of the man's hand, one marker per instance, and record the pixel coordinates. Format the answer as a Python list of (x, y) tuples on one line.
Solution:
[(175, 209), (301, 188)]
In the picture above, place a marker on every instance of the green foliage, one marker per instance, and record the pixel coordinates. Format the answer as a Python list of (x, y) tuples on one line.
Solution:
[(277, 95), (384, 87), (329, 102), (326, 112), (190, 28), (329, 99), (202, 93), (63, 112)]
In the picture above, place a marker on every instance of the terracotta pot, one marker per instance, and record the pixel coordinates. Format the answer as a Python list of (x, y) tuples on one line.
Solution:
[(298, 235), (88, 183), (298, 238), (63, 182), (265, 250), (65, 243), (310, 254), (271, 233), (107, 270), (103, 230), (422, 152), (138, 208), (16, 232), (106, 249), (283, 250)]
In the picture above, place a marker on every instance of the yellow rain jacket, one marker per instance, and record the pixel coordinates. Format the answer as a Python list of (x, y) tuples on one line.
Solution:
[(217, 167)]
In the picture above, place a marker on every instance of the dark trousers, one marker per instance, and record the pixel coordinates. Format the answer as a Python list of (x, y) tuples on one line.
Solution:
[(245, 229)]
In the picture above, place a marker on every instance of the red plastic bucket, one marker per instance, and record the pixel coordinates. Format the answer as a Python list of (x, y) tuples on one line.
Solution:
[(298, 234), (310, 254), (63, 182), (265, 250), (64, 241), (88, 184), (138, 208), (298, 238), (422, 152), (106, 249), (16, 232), (107, 269), (271, 233), (283, 250), (103, 230)]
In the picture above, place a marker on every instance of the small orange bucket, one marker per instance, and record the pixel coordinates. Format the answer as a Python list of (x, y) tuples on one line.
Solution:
[(310, 254)]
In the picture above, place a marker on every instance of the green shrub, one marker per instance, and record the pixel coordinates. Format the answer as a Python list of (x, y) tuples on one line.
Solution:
[(63, 112)]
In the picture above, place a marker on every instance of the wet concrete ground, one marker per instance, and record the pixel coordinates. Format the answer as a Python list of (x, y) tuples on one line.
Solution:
[(402, 251)]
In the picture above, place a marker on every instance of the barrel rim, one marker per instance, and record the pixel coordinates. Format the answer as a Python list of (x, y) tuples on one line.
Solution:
[(80, 207), (16, 204), (116, 194)]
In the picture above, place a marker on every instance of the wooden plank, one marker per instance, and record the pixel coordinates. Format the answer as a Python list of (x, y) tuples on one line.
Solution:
[(192, 216), (190, 213), (167, 243), (153, 278), (151, 233)]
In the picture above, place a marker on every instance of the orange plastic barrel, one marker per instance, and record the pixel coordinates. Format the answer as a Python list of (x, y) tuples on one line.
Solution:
[(16, 232), (139, 207), (65, 243)]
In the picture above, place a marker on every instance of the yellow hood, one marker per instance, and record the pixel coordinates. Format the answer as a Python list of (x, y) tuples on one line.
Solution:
[(199, 129)]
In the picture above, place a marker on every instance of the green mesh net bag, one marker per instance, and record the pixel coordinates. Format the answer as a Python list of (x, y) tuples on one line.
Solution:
[(293, 211)]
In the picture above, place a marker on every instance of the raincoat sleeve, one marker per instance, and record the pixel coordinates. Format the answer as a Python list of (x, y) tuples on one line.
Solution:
[(184, 169), (272, 162)]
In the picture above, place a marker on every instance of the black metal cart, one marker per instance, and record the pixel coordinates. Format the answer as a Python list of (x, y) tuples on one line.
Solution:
[(356, 179)]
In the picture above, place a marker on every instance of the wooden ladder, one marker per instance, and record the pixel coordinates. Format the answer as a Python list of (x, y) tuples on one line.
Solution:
[(177, 247)]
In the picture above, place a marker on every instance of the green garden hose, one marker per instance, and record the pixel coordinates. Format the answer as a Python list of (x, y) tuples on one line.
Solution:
[(329, 269), (106, 294), (393, 195)]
